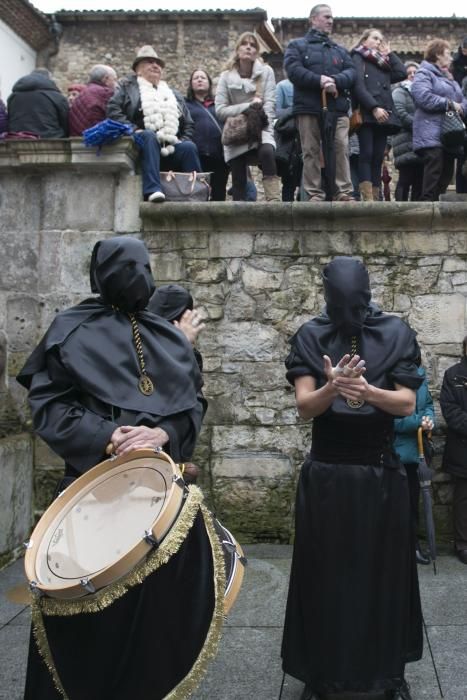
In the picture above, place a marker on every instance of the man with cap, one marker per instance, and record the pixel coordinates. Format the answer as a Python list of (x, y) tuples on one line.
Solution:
[(459, 62), (161, 121), (353, 615), (108, 371)]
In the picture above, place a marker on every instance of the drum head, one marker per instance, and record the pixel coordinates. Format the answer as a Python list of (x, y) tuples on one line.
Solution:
[(99, 525)]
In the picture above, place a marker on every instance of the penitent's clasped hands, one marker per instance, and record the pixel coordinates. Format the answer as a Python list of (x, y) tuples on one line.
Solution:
[(347, 377)]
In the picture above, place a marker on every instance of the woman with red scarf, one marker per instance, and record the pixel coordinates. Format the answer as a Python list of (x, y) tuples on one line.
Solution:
[(208, 132), (377, 67)]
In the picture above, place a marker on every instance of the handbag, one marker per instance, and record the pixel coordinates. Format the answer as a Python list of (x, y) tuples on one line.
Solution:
[(452, 130), (355, 121), (245, 128), (185, 187)]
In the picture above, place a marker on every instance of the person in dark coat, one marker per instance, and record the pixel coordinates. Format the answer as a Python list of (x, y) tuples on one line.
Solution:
[(459, 62), (377, 68), (314, 63), (109, 371), (3, 117), (453, 403), (37, 106), (406, 446), (353, 617), (408, 163), (434, 92), (288, 148), (89, 107), (207, 132), (163, 127)]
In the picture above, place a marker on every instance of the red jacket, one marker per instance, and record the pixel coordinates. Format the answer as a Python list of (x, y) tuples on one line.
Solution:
[(89, 108)]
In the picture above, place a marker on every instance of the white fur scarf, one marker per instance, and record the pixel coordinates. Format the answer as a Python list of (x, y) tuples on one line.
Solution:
[(160, 111)]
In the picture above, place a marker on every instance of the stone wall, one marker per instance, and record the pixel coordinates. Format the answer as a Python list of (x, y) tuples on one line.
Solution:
[(254, 269)]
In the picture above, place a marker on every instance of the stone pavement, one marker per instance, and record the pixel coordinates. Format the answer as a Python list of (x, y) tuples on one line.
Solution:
[(248, 664)]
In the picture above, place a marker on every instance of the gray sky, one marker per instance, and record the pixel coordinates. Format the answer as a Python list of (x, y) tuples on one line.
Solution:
[(274, 8)]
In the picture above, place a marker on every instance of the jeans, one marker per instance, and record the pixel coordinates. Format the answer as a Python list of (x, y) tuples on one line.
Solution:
[(185, 159)]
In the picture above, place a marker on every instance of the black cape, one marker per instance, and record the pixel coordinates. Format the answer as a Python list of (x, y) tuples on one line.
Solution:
[(353, 615), (78, 398)]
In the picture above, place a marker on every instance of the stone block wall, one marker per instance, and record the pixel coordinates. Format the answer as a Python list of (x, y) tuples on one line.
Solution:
[(254, 269), (255, 272)]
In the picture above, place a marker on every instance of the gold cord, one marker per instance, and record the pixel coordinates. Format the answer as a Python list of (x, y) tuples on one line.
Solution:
[(145, 384)]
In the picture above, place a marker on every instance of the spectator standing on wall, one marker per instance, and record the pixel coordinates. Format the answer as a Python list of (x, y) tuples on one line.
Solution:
[(406, 446), (37, 106), (459, 62), (288, 148), (315, 63), (434, 92), (377, 67), (3, 117), (207, 132), (453, 403), (249, 84), (408, 163), (90, 105), (163, 127)]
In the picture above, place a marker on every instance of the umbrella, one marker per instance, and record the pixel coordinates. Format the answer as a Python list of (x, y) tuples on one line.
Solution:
[(327, 125), (425, 475)]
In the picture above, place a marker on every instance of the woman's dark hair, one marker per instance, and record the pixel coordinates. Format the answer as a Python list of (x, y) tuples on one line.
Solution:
[(190, 95), (435, 48)]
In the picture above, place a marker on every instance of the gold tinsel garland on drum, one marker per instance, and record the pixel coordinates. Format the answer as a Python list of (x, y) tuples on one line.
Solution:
[(108, 595)]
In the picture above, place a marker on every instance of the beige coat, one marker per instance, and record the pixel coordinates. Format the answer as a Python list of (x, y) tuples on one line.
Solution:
[(234, 94)]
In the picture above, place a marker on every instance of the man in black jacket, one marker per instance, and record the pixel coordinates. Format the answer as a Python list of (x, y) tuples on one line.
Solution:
[(161, 121), (315, 63), (453, 402), (459, 62), (36, 105)]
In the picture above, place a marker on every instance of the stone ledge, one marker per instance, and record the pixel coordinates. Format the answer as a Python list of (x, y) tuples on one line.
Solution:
[(378, 217), (37, 155)]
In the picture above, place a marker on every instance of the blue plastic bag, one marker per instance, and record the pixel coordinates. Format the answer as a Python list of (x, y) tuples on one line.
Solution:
[(106, 132)]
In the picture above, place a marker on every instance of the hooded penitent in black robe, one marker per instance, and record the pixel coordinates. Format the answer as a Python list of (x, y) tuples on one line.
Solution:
[(353, 614), (154, 639)]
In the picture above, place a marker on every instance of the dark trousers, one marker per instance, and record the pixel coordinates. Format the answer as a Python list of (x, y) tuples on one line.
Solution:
[(372, 146), (414, 496), (437, 173), (460, 513), (185, 159), (461, 180), (266, 160), (410, 183), (219, 175)]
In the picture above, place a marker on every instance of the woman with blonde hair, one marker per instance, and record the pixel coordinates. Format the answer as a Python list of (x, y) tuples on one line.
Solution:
[(248, 86), (377, 67)]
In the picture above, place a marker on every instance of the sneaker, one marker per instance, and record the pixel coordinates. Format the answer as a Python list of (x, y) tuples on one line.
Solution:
[(156, 197)]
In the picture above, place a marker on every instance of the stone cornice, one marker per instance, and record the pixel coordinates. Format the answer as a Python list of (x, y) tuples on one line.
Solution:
[(41, 154), (371, 217)]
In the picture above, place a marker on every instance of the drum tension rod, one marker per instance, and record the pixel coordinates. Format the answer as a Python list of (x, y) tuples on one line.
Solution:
[(86, 583), (34, 588), (150, 538)]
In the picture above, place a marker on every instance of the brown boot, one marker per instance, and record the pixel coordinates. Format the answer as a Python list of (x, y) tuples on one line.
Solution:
[(366, 191), (272, 188)]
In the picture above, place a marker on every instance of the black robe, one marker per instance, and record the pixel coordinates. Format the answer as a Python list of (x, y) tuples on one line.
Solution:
[(83, 383), (353, 614)]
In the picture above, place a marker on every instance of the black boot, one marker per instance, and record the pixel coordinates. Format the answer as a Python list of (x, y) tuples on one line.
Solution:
[(402, 693), (309, 694), (421, 557)]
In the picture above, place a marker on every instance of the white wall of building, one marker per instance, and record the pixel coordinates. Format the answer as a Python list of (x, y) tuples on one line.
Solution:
[(16, 59)]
